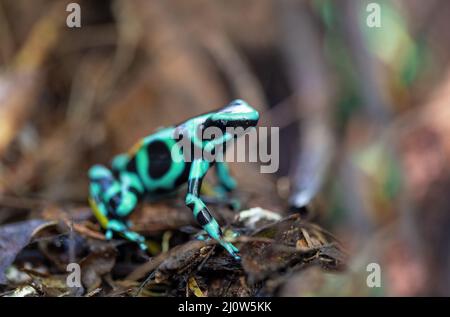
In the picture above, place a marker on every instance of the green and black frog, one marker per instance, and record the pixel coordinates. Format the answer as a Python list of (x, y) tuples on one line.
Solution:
[(160, 164)]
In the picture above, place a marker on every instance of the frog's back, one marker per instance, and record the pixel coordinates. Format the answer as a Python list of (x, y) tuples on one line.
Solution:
[(158, 162)]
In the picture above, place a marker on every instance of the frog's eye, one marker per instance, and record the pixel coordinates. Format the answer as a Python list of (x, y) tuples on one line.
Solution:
[(217, 123)]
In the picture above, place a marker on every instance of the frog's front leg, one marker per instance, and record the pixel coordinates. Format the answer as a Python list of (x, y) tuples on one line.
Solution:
[(226, 184), (112, 201), (224, 176), (201, 213)]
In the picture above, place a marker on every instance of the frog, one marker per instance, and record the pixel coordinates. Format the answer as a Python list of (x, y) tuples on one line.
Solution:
[(159, 164)]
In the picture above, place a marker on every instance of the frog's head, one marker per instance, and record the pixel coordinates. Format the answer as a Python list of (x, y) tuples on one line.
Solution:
[(237, 114)]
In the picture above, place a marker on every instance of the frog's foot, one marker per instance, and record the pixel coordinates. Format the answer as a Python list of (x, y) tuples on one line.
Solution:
[(122, 229), (108, 234), (203, 236), (232, 250), (228, 245), (223, 193), (136, 237)]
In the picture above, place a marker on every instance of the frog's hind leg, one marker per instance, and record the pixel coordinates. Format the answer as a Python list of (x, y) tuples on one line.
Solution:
[(101, 180), (226, 181), (107, 197)]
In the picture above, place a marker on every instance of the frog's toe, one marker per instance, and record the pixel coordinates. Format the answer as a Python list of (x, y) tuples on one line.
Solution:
[(202, 237), (232, 250), (140, 240), (143, 246), (108, 234), (134, 236), (236, 256)]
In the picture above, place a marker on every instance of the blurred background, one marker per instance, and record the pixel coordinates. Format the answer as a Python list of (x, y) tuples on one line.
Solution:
[(363, 112)]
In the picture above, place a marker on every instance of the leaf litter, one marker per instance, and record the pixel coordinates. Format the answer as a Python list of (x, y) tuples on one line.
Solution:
[(272, 250)]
